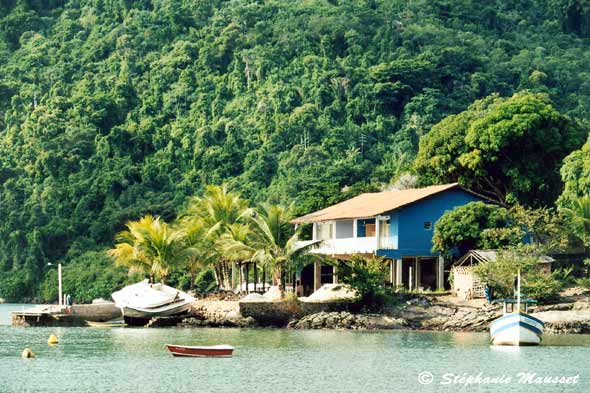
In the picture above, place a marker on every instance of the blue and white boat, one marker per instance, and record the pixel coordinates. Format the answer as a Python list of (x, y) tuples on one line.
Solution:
[(516, 327)]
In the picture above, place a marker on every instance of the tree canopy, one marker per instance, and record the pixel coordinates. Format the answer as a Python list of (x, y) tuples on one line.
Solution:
[(508, 149), (468, 227), (110, 110), (575, 173)]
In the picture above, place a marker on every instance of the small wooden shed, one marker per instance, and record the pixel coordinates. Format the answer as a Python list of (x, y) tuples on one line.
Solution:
[(466, 284)]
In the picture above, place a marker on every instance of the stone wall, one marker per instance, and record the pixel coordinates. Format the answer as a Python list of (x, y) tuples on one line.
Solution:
[(346, 320), (97, 312), (277, 313), (316, 307), (217, 313)]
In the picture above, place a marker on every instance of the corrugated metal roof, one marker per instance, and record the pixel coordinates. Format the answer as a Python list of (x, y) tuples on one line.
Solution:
[(492, 255), (372, 204)]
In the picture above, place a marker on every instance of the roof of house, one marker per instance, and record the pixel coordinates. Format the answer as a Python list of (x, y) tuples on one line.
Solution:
[(373, 203), (492, 255)]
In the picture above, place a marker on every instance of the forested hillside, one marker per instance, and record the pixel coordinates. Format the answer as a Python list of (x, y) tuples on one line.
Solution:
[(110, 109)]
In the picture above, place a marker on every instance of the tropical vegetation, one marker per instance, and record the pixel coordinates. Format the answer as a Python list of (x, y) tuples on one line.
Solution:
[(217, 233), (114, 110), (500, 275)]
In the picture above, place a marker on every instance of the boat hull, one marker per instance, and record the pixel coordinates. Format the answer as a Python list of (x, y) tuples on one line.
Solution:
[(217, 351), (164, 311), (145, 300), (105, 324), (516, 329)]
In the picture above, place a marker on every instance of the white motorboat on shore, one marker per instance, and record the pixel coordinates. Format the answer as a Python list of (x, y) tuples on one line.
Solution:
[(516, 327), (146, 300)]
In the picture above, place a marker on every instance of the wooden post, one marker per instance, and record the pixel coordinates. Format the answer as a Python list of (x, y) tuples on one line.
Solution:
[(377, 232), (247, 271), (59, 288), (334, 274), (418, 273), (410, 278), (317, 275), (240, 276), (440, 273), (255, 276), (264, 279), (399, 273), (391, 272)]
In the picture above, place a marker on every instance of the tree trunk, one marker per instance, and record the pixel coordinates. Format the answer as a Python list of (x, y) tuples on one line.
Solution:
[(216, 274), (226, 280)]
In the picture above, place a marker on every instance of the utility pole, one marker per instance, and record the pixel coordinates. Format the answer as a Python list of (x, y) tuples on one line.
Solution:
[(60, 300), (59, 289)]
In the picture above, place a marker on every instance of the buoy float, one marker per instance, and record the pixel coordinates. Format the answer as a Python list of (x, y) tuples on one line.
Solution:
[(52, 340), (27, 353)]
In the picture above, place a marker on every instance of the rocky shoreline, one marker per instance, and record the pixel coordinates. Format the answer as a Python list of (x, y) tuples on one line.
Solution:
[(441, 313), (414, 314)]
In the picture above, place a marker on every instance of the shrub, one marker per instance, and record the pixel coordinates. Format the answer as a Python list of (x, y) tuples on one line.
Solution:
[(367, 278), (14, 285), (541, 286), (583, 282), (205, 281), (500, 274)]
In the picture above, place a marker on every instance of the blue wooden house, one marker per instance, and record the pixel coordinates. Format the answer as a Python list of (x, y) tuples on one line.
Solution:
[(396, 225)]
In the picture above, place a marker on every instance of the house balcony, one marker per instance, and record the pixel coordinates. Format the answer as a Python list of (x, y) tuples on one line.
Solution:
[(352, 245)]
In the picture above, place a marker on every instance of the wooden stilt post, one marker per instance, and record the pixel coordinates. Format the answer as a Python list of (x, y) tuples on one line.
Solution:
[(440, 274), (263, 279), (240, 277), (399, 282), (334, 274), (255, 276), (418, 273), (247, 271), (317, 275)]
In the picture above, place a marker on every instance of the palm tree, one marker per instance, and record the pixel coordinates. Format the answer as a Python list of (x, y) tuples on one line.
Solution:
[(237, 234), (218, 209), (149, 246), (201, 252), (270, 242)]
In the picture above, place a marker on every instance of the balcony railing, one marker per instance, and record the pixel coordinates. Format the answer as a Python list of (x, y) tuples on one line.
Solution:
[(351, 245)]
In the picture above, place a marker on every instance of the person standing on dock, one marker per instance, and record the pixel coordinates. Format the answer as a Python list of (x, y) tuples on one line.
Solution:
[(69, 303)]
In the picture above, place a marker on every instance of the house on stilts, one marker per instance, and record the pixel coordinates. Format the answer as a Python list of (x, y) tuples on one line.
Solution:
[(395, 225)]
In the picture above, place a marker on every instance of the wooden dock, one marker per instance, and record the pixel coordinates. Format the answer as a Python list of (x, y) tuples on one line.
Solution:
[(50, 315)]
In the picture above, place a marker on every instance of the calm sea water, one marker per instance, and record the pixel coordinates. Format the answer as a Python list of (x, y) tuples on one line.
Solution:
[(267, 360)]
